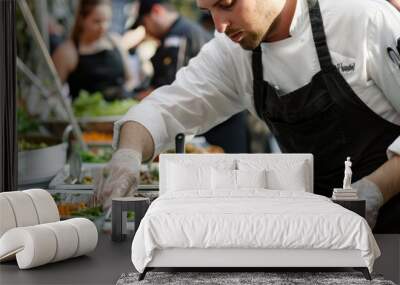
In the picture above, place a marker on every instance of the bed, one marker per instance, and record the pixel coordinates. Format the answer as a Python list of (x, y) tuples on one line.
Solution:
[(247, 211)]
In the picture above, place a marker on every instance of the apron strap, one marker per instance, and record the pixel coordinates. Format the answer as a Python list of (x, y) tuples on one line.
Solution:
[(258, 80), (318, 32)]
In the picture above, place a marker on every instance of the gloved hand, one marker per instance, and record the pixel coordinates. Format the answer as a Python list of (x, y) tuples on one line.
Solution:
[(119, 178), (368, 191)]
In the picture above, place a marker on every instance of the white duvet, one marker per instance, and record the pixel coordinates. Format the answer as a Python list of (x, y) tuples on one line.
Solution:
[(250, 219)]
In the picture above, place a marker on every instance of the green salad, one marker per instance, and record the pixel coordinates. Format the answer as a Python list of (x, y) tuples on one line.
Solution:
[(94, 105), (25, 124), (99, 156), (89, 213), (24, 145)]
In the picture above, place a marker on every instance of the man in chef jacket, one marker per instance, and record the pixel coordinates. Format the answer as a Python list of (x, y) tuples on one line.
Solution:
[(324, 76)]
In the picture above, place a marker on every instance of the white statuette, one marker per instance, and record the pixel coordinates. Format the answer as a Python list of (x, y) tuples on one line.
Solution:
[(347, 174)]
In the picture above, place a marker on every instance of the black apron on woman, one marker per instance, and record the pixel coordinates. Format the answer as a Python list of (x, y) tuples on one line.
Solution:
[(326, 118), (102, 71)]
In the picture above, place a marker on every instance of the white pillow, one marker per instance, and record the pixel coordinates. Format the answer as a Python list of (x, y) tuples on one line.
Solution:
[(187, 174), (281, 174), (223, 179), (182, 177), (251, 178), (290, 180), (237, 179)]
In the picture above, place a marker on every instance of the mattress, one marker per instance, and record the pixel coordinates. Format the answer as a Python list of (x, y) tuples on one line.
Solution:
[(250, 219)]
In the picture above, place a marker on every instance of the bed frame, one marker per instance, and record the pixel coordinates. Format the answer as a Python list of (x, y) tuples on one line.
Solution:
[(260, 259), (236, 259)]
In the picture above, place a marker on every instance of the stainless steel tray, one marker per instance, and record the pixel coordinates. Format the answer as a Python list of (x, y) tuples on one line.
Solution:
[(58, 184)]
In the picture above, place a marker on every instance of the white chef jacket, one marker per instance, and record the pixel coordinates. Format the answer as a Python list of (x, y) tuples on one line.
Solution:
[(219, 81)]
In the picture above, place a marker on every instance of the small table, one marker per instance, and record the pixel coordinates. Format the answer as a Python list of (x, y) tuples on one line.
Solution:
[(357, 206), (120, 208)]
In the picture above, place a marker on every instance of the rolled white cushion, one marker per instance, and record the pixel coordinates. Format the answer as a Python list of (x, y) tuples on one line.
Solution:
[(33, 246), (40, 244), (23, 208), (87, 235), (7, 218), (66, 238), (45, 206)]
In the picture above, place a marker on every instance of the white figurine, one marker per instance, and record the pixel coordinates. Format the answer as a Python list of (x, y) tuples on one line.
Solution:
[(347, 174)]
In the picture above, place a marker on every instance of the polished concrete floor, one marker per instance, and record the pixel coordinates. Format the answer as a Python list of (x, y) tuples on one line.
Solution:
[(102, 266), (110, 259)]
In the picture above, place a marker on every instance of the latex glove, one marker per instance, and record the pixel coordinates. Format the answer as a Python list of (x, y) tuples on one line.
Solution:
[(368, 191), (119, 178)]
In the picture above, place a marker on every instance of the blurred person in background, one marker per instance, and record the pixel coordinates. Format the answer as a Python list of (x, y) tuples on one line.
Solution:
[(93, 59), (56, 34), (180, 39)]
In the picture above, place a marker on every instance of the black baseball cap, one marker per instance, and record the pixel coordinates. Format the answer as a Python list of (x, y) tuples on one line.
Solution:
[(145, 8)]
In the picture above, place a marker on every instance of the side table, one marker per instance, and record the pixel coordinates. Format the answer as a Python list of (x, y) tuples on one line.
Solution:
[(120, 208), (357, 206)]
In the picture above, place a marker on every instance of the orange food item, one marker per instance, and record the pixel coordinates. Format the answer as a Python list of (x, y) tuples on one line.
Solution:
[(65, 209), (215, 149), (97, 137)]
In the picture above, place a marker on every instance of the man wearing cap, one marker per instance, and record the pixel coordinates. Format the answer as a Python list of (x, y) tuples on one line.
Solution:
[(324, 75), (180, 39)]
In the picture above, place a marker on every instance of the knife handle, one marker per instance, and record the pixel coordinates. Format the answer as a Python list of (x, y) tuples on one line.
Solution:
[(180, 143), (398, 45)]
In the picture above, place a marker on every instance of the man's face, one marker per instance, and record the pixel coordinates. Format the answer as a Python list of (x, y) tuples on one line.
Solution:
[(154, 22), (150, 25), (244, 21)]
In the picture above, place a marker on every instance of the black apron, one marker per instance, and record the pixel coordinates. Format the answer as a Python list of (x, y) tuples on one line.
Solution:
[(326, 118), (102, 71)]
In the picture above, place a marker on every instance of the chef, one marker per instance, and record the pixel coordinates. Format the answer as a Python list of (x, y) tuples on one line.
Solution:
[(180, 40), (324, 76)]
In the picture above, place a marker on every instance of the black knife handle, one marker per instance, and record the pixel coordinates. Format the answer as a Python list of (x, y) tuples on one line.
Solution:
[(398, 45), (180, 143)]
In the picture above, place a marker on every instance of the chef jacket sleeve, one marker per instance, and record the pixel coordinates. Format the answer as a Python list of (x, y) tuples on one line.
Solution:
[(383, 60), (202, 96)]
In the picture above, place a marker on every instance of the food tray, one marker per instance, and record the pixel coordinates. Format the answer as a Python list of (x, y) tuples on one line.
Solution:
[(57, 184)]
